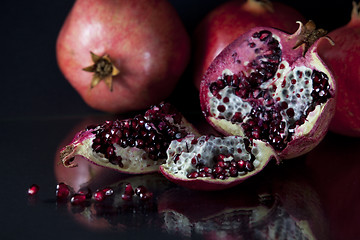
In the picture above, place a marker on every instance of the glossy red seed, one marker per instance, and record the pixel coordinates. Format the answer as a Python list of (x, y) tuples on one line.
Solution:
[(140, 189), (128, 189), (78, 199), (108, 191), (33, 189), (62, 191), (99, 196)]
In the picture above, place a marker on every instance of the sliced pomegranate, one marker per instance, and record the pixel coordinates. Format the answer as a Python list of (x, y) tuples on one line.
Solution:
[(136, 145), (271, 86), (213, 163)]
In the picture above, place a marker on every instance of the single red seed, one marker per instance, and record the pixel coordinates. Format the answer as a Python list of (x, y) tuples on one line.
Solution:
[(78, 199), (33, 189), (140, 189), (128, 189), (99, 196), (108, 191), (221, 108), (62, 191)]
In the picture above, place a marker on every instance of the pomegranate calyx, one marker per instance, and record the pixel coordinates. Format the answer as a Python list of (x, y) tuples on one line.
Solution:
[(103, 69), (308, 35)]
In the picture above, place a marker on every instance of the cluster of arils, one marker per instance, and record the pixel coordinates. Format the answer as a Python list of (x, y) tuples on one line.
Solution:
[(84, 195), (225, 166), (152, 132)]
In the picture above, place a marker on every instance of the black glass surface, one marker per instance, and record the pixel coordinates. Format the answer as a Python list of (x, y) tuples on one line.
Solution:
[(313, 196)]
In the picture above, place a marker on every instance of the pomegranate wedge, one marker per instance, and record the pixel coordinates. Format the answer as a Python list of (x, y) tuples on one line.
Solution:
[(136, 145), (215, 163)]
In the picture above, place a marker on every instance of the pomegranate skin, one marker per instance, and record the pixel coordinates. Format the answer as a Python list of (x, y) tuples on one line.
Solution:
[(145, 40), (233, 18), (343, 58)]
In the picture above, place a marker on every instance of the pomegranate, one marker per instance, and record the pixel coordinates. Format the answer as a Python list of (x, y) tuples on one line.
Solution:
[(271, 86), (213, 163), (233, 18), (343, 58), (137, 51), (135, 145)]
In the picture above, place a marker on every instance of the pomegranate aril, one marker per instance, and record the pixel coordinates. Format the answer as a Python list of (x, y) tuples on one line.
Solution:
[(78, 199), (62, 191), (108, 191), (99, 196), (85, 191), (129, 189), (33, 189), (140, 189)]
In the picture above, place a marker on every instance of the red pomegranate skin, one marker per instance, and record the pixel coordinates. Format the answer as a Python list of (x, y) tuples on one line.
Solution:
[(344, 59), (233, 18), (145, 40)]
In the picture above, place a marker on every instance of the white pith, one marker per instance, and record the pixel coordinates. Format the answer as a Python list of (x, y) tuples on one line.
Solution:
[(298, 96), (134, 160), (181, 153)]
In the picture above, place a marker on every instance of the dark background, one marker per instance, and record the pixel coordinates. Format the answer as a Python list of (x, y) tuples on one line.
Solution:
[(39, 109)]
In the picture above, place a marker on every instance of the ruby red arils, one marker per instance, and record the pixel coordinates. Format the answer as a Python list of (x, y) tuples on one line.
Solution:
[(143, 193), (33, 189), (101, 194), (78, 199), (62, 191)]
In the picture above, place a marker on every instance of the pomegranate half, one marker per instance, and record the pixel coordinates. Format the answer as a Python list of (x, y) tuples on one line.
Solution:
[(271, 86)]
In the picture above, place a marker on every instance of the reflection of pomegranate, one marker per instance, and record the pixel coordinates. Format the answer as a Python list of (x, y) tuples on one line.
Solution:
[(136, 49), (344, 59), (233, 18), (271, 86), (334, 166), (279, 204), (114, 212)]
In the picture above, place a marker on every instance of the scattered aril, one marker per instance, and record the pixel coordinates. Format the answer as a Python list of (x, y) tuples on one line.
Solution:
[(101, 194), (78, 199), (62, 191), (33, 189)]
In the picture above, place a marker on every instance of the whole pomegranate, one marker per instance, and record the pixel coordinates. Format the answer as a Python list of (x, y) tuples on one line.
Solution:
[(231, 19), (271, 86), (343, 58), (122, 55)]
